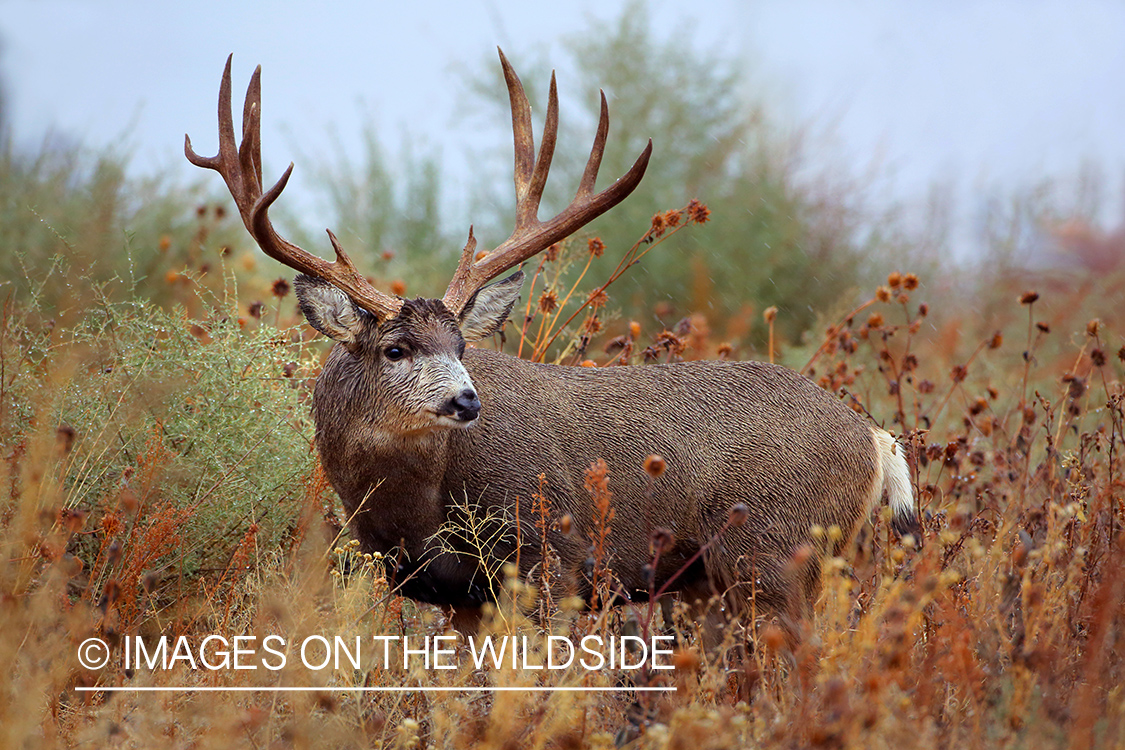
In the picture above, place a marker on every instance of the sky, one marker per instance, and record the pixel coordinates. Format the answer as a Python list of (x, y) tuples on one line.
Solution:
[(970, 94)]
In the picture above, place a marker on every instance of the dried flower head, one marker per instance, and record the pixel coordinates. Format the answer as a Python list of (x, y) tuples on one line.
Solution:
[(634, 329), (398, 287), (598, 298), (996, 340), (548, 301), (662, 540), (698, 212), (657, 228), (770, 314), (894, 279), (738, 514), (1093, 326), (256, 309), (875, 321), (1029, 297), (910, 282), (883, 294), (280, 289), (596, 247)]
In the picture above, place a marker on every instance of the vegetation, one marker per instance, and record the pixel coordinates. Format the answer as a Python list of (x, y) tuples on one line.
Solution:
[(157, 477)]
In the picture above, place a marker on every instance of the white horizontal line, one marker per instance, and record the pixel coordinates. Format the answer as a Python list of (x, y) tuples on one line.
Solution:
[(204, 689)]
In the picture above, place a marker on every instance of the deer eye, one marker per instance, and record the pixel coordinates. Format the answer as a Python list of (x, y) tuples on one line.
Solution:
[(394, 353)]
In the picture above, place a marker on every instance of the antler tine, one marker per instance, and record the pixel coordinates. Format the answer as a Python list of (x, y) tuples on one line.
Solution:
[(530, 235), (594, 163), (241, 169)]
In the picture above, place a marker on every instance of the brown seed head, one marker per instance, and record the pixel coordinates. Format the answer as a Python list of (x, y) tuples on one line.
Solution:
[(770, 314), (1029, 297), (698, 212), (280, 289), (997, 340), (398, 287), (773, 637), (662, 539), (256, 308), (686, 660), (552, 253), (875, 321), (634, 329), (1097, 356), (548, 301), (1092, 327), (655, 465), (910, 282), (738, 514), (596, 247), (883, 294), (657, 227), (598, 298), (894, 280), (672, 218)]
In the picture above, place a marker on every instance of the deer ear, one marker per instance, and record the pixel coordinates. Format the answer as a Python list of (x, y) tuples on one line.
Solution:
[(328, 309), (485, 312)]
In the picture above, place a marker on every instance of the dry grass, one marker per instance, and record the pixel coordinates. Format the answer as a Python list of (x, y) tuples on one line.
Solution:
[(141, 499)]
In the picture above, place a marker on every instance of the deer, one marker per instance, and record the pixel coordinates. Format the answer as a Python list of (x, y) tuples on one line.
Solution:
[(414, 424)]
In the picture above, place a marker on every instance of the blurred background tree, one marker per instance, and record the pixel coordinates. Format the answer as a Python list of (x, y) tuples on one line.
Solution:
[(774, 238)]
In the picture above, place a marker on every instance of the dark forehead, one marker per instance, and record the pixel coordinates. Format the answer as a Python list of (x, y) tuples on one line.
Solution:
[(425, 323)]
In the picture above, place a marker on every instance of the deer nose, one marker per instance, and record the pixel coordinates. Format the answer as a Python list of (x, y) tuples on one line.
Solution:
[(466, 405)]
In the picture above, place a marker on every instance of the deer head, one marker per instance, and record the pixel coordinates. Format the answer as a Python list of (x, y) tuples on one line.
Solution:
[(414, 348)]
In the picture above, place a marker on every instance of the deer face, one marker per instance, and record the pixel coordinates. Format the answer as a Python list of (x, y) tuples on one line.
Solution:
[(414, 358)]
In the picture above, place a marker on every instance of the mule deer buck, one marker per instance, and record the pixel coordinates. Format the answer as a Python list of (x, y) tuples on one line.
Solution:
[(412, 425)]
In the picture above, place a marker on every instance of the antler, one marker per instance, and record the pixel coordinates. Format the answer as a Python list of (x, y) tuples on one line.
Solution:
[(530, 235), (241, 169)]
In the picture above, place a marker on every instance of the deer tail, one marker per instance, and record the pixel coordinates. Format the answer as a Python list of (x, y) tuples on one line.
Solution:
[(893, 477)]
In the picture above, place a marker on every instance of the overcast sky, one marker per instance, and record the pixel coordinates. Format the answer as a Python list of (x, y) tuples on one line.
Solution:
[(978, 94)]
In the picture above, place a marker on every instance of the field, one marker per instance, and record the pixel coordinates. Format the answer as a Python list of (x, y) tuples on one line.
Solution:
[(159, 483), (159, 479)]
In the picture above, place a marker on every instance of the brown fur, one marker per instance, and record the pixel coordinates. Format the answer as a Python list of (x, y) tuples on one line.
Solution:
[(731, 432)]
